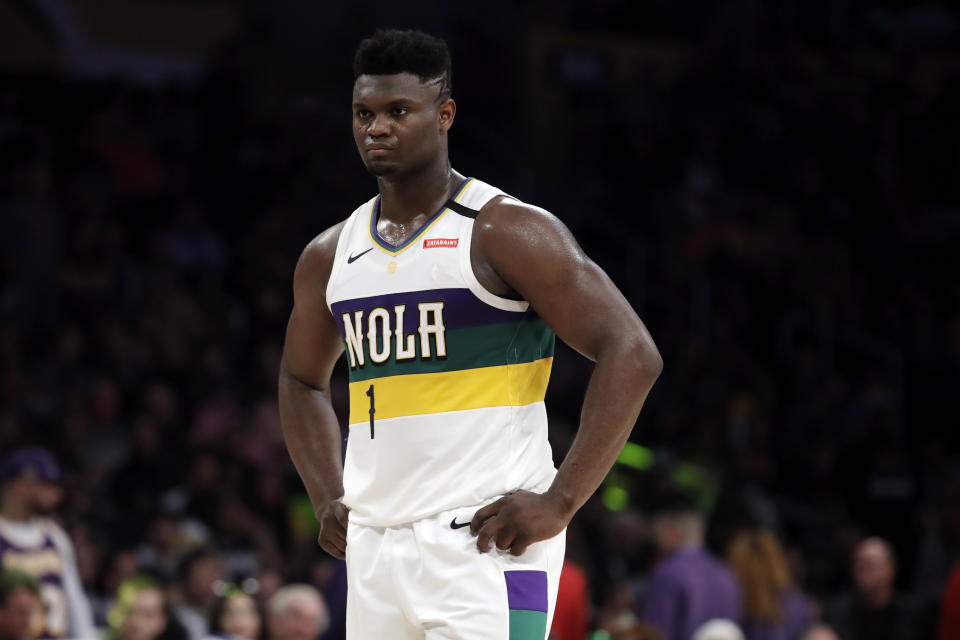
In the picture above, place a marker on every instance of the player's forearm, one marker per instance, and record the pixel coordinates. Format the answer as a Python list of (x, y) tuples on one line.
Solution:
[(312, 435), (621, 380)]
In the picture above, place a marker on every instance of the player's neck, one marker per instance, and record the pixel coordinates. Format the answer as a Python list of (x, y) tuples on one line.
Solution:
[(422, 193)]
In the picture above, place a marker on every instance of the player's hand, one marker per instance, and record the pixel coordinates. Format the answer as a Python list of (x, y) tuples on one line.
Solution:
[(333, 529), (517, 520)]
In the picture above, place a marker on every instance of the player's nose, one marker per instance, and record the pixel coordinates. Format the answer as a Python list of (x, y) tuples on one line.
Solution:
[(379, 126)]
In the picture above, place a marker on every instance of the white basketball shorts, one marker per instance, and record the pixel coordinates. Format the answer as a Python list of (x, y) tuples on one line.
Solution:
[(427, 580)]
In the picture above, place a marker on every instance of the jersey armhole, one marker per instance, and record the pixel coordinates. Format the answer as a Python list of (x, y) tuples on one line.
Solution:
[(466, 271), (342, 242)]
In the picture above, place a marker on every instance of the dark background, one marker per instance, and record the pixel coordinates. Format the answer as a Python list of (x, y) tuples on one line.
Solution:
[(772, 185)]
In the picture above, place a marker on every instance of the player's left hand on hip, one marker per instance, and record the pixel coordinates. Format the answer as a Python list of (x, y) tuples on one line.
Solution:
[(516, 521)]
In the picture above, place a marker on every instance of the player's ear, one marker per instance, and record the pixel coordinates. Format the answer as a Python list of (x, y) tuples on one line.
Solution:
[(446, 113)]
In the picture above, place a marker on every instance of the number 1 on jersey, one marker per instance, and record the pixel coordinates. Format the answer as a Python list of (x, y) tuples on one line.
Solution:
[(372, 409)]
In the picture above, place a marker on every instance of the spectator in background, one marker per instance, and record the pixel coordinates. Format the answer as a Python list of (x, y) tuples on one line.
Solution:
[(235, 614), (161, 550), (140, 613), (624, 626), (819, 632), (616, 615), (120, 565), (33, 542), (572, 611), (21, 609), (773, 609), (297, 612), (949, 626), (718, 630), (874, 611), (200, 570), (688, 586)]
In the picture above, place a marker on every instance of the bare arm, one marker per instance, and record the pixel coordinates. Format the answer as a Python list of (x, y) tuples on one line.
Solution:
[(310, 427), (528, 251)]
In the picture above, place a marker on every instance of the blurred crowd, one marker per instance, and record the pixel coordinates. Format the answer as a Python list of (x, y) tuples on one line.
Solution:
[(773, 189)]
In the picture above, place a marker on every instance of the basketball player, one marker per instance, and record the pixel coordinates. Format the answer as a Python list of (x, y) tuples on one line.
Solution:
[(445, 293), (32, 542)]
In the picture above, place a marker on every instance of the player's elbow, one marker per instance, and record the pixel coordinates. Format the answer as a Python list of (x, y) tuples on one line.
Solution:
[(643, 359), (651, 362), (288, 380)]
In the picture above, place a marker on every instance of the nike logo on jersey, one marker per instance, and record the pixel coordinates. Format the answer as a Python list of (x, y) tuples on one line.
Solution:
[(359, 255), (458, 525)]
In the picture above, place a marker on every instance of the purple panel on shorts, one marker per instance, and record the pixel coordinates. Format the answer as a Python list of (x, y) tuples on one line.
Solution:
[(527, 590)]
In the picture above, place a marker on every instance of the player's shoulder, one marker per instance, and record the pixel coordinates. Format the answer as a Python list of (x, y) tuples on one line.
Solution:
[(506, 215), (317, 257), (322, 249), (506, 223), (324, 244)]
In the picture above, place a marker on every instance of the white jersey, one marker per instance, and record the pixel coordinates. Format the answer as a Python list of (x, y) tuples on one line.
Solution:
[(42, 549), (447, 380)]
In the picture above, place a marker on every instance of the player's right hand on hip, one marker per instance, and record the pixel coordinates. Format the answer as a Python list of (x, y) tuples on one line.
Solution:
[(333, 529)]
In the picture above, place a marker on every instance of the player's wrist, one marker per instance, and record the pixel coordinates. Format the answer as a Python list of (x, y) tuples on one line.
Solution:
[(565, 502), (323, 505)]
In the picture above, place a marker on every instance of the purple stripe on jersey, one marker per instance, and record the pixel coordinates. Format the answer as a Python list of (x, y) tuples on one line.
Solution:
[(461, 308), (7, 545), (527, 590), (44, 559)]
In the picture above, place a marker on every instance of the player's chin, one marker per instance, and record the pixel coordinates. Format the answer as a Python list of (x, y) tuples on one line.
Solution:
[(381, 169)]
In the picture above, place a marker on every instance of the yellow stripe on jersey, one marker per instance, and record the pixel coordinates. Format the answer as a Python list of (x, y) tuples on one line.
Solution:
[(511, 385)]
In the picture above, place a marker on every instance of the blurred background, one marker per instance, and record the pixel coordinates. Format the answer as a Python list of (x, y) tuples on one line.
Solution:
[(772, 185)]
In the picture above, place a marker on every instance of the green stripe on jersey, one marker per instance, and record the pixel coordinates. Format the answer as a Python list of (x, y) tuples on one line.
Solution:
[(468, 348), (527, 625)]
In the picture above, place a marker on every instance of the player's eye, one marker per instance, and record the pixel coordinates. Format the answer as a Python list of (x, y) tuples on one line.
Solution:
[(399, 111), (362, 113)]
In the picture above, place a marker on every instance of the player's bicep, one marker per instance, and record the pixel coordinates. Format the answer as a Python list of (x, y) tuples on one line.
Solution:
[(538, 257), (312, 344)]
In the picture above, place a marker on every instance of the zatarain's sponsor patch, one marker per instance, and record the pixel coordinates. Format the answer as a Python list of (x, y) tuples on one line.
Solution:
[(435, 243)]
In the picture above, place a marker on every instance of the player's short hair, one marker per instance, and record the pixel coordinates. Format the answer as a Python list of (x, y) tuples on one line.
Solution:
[(390, 51), (12, 580)]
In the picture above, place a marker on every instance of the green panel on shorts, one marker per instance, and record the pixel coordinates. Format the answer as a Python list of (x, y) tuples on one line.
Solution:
[(527, 625)]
